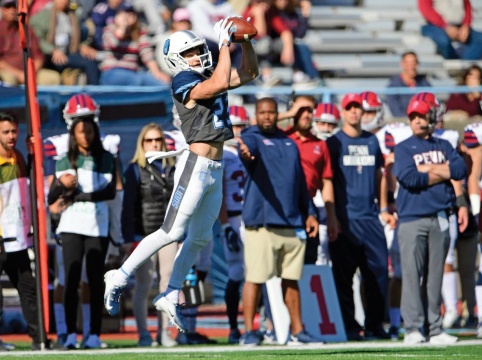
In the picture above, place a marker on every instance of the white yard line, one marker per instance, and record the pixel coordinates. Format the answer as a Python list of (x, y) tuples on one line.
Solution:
[(222, 349)]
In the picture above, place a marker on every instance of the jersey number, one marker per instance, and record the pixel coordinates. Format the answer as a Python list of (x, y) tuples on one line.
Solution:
[(220, 112), (238, 176)]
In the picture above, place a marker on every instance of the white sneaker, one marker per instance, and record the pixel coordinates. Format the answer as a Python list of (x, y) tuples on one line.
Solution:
[(479, 331), (93, 342), (112, 293), (443, 339), (71, 342), (172, 311), (414, 337), (450, 318)]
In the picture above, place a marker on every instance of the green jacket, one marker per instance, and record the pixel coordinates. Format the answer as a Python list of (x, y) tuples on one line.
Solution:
[(40, 24)]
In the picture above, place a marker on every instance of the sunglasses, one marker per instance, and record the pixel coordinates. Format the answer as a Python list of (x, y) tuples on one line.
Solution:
[(9, 5), (150, 140)]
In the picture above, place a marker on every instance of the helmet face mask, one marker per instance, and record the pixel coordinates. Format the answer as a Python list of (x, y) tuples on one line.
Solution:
[(371, 104), (325, 113), (239, 120), (80, 107), (178, 44)]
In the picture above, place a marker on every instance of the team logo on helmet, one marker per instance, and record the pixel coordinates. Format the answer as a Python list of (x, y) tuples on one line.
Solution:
[(178, 44)]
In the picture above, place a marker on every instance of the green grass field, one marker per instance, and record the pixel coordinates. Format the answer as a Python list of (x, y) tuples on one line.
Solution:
[(120, 350)]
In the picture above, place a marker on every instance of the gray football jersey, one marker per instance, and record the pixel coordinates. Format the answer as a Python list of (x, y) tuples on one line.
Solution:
[(209, 120)]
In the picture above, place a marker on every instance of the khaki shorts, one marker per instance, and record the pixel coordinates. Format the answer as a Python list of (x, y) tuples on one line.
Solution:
[(273, 251)]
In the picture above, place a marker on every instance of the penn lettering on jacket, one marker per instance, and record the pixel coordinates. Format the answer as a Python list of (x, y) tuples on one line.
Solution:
[(430, 157)]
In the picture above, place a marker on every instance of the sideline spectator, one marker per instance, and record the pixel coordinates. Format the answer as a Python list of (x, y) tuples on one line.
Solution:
[(103, 14), (450, 21), (473, 144), (84, 223), (207, 13), (256, 11), (148, 190), (34, 6), (15, 223), (153, 12), (326, 120), (230, 218), (360, 198), (425, 200), (58, 30), (11, 52), (55, 147), (181, 20), (409, 77), (127, 45), (470, 102), (287, 27), (275, 218), (316, 164)]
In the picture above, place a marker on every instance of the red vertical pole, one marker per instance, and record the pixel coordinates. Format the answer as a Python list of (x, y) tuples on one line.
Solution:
[(39, 216)]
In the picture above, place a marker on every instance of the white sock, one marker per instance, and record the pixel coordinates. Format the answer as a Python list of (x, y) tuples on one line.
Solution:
[(85, 319), (184, 261), (172, 295), (449, 291), (146, 248), (395, 317), (60, 323), (478, 296)]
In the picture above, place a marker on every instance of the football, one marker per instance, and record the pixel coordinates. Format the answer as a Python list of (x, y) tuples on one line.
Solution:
[(243, 30)]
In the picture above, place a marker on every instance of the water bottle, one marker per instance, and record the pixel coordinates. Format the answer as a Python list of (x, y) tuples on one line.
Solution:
[(191, 278)]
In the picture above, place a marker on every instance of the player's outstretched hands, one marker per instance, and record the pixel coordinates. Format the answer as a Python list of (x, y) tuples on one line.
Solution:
[(224, 31), (244, 150)]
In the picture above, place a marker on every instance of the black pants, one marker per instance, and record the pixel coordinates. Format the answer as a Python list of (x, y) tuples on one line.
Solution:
[(17, 267), (74, 246)]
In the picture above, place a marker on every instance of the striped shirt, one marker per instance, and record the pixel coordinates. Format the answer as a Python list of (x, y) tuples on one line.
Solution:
[(126, 53)]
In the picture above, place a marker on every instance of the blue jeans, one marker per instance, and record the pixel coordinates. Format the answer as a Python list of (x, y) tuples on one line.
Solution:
[(77, 61), (119, 76), (471, 50), (303, 60)]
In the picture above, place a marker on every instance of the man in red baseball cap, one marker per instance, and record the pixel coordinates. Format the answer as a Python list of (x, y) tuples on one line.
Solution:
[(357, 174), (426, 204)]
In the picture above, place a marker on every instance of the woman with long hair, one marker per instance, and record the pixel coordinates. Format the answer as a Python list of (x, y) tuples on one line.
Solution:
[(127, 45), (85, 179), (148, 188), (469, 102)]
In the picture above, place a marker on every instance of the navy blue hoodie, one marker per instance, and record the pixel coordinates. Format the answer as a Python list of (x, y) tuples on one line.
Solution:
[(275, 192), (416, 198)]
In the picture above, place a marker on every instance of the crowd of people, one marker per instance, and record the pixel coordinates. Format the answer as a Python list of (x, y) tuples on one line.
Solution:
[(119, 42), (352, 191)]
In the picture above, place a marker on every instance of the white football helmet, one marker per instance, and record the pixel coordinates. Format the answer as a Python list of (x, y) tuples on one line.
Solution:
[(178, 43)]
